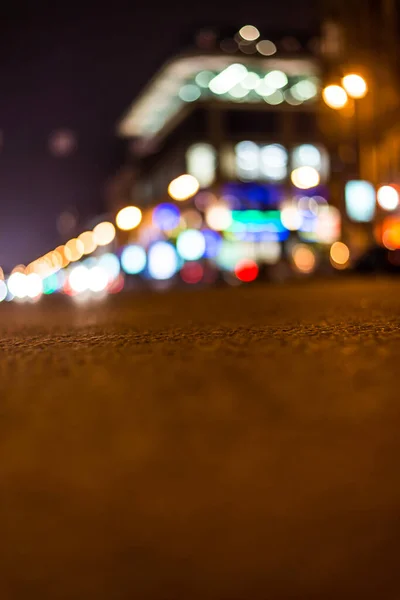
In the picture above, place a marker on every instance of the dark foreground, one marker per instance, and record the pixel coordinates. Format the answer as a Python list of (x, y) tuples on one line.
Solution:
[(234, 444)]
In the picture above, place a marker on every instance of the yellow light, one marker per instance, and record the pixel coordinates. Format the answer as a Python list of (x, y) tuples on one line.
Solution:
[(88, 241), (303, 258), (305, 178), (63, 253), (104, 233), (74, 250), (335, 96), (183, 187), (391, 233), (249, 33), (219, 216), (128, 218), (388, 197), (339, 255), (355, 85)]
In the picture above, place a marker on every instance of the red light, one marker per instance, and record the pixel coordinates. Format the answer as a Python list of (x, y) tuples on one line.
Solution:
[(192, 272), (117, 285), (246, 270)]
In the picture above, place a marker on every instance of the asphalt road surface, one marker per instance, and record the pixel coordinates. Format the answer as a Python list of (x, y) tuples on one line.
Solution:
[(229, 444)]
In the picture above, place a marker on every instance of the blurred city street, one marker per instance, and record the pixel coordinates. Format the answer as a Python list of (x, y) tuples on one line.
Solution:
[(218, 444)]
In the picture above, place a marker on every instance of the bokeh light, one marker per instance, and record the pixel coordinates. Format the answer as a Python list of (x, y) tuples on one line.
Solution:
[(191, 244), (128, 218), (97, 279), (74, 250), (201, 162), (360, 200), (183, 187), (305, 177), (219, 216), (276, 79), (213, 243), (303, 258), (88, 241), (246, 270), (162, 261), (166, 216), (335, 96), (228, 78), (110, 264), (3, 290), (34, 285), (249, 33), (355, 85), (51, 284), (133, 259), (64, 259), (291, 217), (104, 233), (189, 93), (339, 255), (192, 272), (391, 233), (388, 197), (79, 279), (17, 285), (266, 47)]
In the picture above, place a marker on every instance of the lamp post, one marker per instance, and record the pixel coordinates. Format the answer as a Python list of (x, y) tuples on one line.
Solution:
[(353, 87)]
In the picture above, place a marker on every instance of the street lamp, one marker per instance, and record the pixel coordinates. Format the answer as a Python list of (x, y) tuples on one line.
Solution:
[(335, 97), (353, 86)]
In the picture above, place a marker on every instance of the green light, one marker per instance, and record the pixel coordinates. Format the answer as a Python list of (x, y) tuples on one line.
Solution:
[(50, 284), (256, 221)]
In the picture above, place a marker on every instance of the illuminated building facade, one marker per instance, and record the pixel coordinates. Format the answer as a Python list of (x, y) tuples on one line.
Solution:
[(241, 117), (363, 38)]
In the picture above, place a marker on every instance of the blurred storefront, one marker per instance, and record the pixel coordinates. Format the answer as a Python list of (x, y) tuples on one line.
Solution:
[(240, 115)]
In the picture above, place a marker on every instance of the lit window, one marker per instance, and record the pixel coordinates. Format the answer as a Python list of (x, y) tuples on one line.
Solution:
[(308, 155), (247, 160), (273, 162), (201, 163)]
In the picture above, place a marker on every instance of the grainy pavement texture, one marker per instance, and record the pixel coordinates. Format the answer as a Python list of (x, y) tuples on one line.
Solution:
[(227, 444)]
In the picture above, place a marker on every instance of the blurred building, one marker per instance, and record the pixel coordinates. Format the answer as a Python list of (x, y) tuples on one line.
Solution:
[(237, 109), (241, 114), (364, 38)]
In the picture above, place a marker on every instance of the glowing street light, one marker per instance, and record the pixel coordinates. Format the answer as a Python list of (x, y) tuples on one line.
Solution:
[(355, 85), (335, 96)]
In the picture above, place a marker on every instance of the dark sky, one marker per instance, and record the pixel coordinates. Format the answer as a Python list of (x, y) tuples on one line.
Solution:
[(80, 70)]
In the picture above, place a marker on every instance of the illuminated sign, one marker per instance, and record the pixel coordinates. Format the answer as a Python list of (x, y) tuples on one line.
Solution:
[(257, 225)]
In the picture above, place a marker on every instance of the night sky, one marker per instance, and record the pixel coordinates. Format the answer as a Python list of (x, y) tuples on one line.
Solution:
[(80, 71)]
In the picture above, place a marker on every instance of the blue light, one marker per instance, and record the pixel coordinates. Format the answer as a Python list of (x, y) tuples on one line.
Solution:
[(133, 259), (213, 243), (166, 216), (360, 201), (162, 261)]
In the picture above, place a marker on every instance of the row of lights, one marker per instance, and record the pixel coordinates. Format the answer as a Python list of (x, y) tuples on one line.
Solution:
[(353, 86), (85, 244)]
